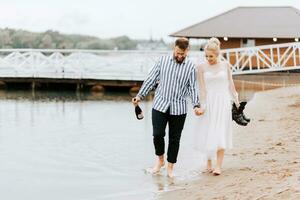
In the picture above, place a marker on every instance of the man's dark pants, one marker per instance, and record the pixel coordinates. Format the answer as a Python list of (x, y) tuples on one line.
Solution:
[(159, 123)]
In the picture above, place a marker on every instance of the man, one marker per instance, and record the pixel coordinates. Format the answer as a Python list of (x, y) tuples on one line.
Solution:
[(176, 76)]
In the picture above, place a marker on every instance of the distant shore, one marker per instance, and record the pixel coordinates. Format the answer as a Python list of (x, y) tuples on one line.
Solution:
[(265, 161)]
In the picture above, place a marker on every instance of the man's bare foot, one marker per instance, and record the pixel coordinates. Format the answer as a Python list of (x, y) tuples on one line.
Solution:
[(217, 171), (158, 165), (170, 173), (170, 170)]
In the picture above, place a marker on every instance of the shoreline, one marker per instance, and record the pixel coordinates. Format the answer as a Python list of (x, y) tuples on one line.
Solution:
[(265, 161)]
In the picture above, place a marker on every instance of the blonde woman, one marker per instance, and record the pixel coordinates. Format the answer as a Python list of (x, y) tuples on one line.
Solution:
[(217, 91)]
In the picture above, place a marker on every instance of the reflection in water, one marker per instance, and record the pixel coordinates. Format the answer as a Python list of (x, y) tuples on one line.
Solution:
[(64, 145), (162, 182), (63, 95), (68, 95)]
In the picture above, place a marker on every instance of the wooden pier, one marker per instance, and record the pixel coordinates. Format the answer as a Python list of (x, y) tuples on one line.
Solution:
[(95, 85), (97, 70)]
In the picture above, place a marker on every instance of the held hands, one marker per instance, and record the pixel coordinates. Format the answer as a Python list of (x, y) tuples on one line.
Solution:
[(198, 111)]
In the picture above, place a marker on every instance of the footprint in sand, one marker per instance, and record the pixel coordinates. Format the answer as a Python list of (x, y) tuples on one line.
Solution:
[(245, 169), (279, 144), (271, 160)]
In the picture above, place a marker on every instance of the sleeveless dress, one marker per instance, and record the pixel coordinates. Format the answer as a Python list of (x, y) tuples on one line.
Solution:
[(214, 127)]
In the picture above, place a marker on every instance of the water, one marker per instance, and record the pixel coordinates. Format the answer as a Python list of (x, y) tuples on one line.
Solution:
[(83, 146), (56, 147)]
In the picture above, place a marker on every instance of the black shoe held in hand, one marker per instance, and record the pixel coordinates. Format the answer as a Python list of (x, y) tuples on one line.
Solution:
[(241, 108), (238, 114)]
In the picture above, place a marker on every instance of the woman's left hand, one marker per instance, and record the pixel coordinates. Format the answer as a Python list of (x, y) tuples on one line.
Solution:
[(237, 104)]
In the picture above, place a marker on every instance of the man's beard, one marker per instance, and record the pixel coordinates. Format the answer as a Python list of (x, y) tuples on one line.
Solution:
[(179, 61)]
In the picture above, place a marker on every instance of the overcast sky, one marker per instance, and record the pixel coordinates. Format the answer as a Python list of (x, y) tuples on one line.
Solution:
[(110, 18)]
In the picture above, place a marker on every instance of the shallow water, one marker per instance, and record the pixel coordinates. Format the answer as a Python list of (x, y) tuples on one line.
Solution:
[(78, 146), (64, 148)]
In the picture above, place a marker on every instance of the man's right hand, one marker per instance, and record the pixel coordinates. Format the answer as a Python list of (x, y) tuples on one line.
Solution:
[(136, 100)]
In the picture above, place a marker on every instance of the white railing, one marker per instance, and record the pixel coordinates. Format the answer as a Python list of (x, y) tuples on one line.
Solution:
[(265, 58), (76, 64), (79, 64), (134, 65)]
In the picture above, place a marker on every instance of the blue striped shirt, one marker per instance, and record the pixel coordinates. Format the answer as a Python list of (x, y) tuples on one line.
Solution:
[(176, 82)]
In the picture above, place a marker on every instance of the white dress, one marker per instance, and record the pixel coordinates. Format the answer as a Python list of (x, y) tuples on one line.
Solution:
[(214, 127)]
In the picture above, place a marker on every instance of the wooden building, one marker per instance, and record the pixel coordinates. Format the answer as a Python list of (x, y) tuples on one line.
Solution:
[(248, 26)]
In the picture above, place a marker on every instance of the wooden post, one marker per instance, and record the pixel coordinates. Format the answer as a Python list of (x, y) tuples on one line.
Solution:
[(33, 89), (78, 87), (33, 85)]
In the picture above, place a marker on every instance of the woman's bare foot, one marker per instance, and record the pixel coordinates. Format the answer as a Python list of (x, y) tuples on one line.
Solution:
[(217, 171), (208, 171), (220, 156), (209, 168)]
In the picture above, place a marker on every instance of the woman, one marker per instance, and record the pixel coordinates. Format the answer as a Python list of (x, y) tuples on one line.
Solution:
[(217, 90)]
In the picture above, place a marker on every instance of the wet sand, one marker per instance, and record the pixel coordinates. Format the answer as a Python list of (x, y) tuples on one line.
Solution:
[(265, 161)]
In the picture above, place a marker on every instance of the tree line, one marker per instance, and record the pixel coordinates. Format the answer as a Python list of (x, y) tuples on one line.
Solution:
[(12, 38)]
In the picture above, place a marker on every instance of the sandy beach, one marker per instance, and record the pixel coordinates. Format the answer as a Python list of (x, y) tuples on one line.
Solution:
[(265, 161)]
